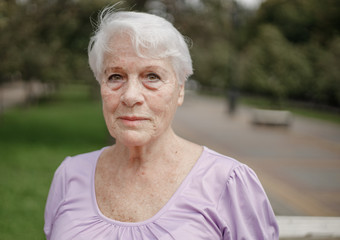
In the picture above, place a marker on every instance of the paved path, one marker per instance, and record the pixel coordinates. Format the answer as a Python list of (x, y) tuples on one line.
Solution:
[(299, 166)]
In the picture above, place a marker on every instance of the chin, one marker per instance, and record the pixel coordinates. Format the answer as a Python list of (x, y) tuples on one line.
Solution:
[(134, 139)]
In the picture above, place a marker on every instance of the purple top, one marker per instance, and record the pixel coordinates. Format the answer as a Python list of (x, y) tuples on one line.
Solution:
[(220, 198)]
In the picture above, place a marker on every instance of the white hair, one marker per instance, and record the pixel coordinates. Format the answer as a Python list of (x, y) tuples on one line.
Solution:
[(151, 36)]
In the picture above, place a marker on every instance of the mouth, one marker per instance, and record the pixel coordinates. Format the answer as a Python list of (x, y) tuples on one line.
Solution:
[(132, 121), (132, 118)]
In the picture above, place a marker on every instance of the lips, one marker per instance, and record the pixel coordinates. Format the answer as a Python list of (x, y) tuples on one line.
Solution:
[(133, 118), (132, 121)]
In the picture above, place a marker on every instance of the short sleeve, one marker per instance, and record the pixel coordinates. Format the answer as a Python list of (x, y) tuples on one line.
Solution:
[(55, 198), (245, 208)]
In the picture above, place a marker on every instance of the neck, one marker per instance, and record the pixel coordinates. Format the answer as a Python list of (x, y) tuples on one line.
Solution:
[(155, 154)]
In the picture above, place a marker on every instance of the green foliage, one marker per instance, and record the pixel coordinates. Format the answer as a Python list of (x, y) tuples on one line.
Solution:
[(301, 20), (327, 73), (213, 63), (33, 142), (292, 51), (46, 40), (274, 67)]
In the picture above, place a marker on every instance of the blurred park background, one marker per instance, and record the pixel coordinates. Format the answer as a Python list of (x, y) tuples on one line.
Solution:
[(281, 55)]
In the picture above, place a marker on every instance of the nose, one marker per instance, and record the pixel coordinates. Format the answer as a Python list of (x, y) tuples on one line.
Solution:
[(132, 94)]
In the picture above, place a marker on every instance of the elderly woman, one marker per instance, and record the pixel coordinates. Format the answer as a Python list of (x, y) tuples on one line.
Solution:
[(151, 184)]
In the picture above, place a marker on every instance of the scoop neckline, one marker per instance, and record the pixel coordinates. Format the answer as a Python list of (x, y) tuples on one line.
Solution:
[(166, 206)]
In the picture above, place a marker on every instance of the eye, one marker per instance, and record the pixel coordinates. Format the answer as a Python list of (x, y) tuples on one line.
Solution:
[(115, 77), (115, 81), (152, 81), (153, 77)]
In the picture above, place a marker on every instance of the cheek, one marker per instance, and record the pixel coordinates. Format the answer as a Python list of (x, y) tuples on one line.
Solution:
[(164, 105), (109, 107), (110, 101), (104, 91)]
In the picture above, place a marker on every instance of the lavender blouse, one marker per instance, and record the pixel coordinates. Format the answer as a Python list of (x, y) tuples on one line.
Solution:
[(219, 199)]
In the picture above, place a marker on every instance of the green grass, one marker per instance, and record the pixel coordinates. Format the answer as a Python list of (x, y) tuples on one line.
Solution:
[(33, 142), (323, 115), (260, 102)]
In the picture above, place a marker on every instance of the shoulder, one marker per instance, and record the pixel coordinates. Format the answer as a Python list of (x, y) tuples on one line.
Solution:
[(222, 166), (219, 158), (78, 165), (73, 171), (233, 174), (81, 161), (226, 171)]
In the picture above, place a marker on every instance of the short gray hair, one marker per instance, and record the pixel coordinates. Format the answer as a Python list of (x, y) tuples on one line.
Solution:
[(148, 32)]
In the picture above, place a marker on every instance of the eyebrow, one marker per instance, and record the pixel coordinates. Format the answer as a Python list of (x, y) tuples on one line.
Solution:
[(113, 69), (157, 67), (148, 67)]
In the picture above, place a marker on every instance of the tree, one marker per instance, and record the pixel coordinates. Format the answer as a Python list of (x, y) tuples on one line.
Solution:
[(291, 49), (46, 40), (274, 67)]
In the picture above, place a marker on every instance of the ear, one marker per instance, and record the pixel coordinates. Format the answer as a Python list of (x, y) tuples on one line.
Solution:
[(180, 94)]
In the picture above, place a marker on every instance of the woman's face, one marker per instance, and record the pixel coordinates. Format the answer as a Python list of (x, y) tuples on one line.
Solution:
[(140, 95)]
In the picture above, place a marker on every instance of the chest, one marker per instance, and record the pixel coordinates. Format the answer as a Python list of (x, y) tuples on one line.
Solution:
[(136, 201)]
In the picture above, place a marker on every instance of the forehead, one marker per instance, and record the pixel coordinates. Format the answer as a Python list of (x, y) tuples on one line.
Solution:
[(119, 47)]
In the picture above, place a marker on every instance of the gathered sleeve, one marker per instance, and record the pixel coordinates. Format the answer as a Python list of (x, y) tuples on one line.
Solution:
[(55, 198), (245, 208)]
